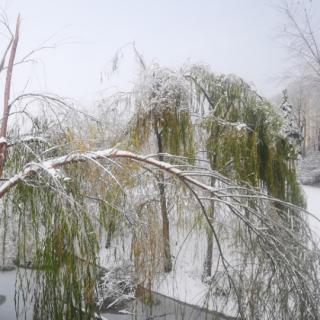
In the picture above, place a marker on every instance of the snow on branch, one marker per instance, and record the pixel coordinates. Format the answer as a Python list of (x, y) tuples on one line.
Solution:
[(32, 169), (51, 167), (26, 139), (190, 178)]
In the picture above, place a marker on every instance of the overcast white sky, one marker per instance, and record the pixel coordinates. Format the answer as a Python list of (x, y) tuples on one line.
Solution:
[(232, 36)]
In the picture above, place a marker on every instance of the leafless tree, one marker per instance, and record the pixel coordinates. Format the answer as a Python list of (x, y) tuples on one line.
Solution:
[(300, 33)]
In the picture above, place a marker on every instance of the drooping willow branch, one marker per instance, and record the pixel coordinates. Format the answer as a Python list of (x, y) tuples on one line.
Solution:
[(279, 249), (33, 169), (189, 177)]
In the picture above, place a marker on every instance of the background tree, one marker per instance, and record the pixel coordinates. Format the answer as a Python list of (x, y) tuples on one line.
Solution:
[(303, 98), (300, 34)]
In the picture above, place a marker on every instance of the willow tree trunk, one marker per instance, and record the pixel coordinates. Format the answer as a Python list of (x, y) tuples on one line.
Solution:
[(164, 210), (208, 259), (165, 226)]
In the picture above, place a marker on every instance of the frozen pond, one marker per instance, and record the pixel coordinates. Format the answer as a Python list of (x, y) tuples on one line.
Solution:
[(167, 309), (7, 281), (7, 297), (163, 307)]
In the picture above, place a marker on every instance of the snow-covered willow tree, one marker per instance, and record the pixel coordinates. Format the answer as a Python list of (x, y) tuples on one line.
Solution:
[(163, 111), (243, 139), (64, 184)]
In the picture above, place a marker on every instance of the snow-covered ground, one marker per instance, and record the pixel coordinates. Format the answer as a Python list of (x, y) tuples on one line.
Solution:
[(313, 199), (184, 282), (313, 205)]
